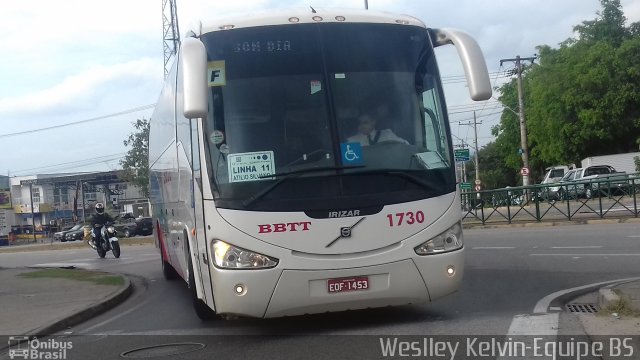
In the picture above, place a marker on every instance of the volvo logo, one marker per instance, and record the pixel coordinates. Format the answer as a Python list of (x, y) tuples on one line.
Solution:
[(345, 232)]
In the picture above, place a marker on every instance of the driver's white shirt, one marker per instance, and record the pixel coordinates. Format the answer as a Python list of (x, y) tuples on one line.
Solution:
[(385, 135)]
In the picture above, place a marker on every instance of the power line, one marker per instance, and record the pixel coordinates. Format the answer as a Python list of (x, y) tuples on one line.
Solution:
[(71, 164), (471, 118), (476, 109), (451, 77), (473, 105), (140, 108)]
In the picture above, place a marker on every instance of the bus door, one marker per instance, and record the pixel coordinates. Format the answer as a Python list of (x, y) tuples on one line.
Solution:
[(204, 259)]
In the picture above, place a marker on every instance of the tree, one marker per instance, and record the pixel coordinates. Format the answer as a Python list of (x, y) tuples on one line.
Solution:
[(136, 163), (493, 173), (582, 99)]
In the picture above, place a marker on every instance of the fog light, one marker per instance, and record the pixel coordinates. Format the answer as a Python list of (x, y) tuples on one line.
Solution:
[(239, 289), (451, 270)]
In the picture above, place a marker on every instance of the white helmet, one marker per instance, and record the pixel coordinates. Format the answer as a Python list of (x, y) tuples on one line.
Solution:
[(99, 208)]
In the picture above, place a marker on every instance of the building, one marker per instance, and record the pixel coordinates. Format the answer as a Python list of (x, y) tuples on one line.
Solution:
[(46, 202)]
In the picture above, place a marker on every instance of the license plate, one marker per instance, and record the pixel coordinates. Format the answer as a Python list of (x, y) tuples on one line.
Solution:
[(348, 284)]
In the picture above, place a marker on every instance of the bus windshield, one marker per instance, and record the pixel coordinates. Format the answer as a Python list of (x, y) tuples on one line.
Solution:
[(317, 116)]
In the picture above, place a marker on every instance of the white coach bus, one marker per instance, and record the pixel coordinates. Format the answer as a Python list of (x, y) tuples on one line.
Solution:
[(301, 162)]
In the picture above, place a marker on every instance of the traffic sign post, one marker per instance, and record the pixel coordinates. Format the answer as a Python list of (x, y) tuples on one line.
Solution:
[(461, 155)]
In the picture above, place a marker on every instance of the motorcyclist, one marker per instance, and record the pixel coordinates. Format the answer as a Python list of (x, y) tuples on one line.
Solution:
[(98, 220)]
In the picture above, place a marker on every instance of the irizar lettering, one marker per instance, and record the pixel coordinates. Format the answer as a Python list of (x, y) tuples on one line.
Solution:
[(344, 213), (284, 227)]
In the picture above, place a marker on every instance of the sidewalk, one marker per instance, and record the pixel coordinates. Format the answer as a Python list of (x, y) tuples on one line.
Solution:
[(618, 310), (44, 301)]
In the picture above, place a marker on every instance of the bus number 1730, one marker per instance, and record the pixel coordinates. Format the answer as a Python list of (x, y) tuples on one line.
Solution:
[(408, 218)]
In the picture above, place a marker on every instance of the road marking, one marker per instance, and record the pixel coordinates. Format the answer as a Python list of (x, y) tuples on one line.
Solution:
[(584, 254), (544, 325), (576, 247), (523, 326), (633, 236), (493, 247)]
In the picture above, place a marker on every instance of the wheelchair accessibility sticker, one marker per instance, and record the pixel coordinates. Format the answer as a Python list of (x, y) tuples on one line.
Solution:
[(351, 153)]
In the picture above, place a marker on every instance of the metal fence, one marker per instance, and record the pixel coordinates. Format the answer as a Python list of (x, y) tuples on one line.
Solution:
[(612, 197)]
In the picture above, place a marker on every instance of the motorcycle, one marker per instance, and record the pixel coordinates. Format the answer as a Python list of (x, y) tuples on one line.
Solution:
[(108, 240)]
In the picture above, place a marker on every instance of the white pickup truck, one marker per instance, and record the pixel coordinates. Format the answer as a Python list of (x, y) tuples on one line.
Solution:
[(589, 181)]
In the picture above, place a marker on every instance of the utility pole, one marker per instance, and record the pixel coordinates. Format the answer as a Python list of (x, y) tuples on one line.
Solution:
[(475, 155), (366, 4), (83, 203), (33, 215), (523, 125)]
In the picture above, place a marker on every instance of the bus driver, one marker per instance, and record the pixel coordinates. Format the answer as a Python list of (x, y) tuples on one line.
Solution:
[(369, 135)]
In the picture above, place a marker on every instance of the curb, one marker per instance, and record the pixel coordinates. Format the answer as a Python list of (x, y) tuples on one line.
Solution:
[(608, 297), (560, 298), (73, 246), (88, 313)]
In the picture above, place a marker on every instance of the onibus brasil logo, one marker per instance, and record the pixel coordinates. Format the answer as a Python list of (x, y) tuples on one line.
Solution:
[(25, 347)]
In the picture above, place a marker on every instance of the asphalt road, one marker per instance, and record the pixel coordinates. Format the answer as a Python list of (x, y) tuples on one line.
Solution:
[(507, 272)]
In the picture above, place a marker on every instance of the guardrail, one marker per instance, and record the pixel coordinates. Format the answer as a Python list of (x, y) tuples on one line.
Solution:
[(612, 197)]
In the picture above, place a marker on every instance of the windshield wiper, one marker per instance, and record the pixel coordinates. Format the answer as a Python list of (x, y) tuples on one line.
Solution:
[(406, 174), (284, 176)]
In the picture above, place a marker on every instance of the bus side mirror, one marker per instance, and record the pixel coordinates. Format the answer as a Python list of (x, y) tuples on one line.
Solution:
[(473, 63), (193, 57)]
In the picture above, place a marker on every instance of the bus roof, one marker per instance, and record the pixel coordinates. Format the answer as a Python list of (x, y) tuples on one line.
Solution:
[(301, 16)]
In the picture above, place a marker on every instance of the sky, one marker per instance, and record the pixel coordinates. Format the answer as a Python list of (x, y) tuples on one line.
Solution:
[(76, 74)]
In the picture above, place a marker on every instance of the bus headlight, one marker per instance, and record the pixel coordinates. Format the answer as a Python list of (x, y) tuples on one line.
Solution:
[(232, 257), (449, 240)]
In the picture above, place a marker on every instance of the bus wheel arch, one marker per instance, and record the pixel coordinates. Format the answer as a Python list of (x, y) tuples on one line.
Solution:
[(167, 269), (203, 310)]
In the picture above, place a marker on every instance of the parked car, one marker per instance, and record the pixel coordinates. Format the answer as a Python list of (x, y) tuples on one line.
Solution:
[(126, 226), (587, 182), (507, 197), (144, 226), (553, 174), (73, 235), (60, 235)]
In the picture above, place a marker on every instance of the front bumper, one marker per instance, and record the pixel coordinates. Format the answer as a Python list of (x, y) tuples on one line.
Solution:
[(284, 292)]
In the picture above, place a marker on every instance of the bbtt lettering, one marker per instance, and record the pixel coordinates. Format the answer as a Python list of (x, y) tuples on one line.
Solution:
[(284, 227)]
